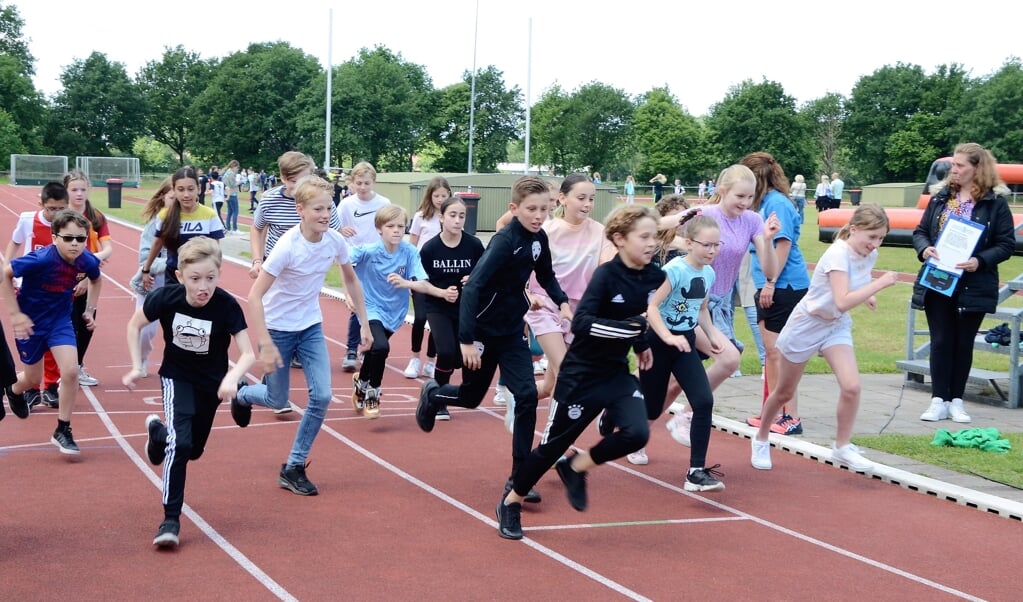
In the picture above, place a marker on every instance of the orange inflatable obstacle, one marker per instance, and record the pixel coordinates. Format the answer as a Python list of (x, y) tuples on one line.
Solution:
[(904, 220)]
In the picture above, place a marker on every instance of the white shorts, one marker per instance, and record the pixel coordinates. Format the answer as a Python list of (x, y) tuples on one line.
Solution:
[(805, 336), (547, 320)]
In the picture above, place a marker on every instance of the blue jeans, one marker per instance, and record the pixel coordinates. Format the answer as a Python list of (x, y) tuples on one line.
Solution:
[(232, 213), (354, 334), (311, 348)]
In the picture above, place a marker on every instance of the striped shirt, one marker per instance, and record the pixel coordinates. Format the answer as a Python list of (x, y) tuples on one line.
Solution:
[(276, 214)]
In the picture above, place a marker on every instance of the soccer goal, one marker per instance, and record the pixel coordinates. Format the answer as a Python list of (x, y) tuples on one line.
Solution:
[(101, 169), (36, 170)]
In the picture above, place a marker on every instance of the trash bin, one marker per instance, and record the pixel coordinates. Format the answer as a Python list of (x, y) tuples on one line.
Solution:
[(854, 196), (471, 200), (114, 186)]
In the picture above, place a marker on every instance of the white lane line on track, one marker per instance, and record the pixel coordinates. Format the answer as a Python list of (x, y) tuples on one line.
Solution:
[(243, 561), (640, 523)]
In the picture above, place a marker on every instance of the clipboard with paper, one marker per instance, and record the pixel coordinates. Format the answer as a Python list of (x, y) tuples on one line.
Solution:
[(955, 245)]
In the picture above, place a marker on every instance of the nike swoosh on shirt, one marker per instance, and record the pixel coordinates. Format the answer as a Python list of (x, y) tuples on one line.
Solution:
[(357, 214)]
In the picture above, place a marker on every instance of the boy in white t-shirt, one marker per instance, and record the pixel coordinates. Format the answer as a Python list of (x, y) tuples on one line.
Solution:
[(285, 308), (358, 213)]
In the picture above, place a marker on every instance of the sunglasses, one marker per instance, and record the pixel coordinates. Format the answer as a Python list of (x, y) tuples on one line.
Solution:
[(72, 237)]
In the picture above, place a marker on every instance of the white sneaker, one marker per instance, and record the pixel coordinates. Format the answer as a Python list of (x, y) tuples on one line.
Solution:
[(849, 455), (509, 414), (938, 410), (957, 413), (537, 368), (430, 368), (737, 374), (502, 395), (412, 370), (285, 410), (761, 457), (639, 457), (679, 426), (543, 363), (85, 379), (677, 408)]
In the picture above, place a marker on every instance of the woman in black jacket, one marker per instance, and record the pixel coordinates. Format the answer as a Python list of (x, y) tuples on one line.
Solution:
[(974, 192)]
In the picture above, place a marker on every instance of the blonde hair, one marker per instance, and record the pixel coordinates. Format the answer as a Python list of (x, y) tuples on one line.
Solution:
[(156, 202), (665, 236), (364, 168), (311, 186), (985, 179), (199, 249), (698, 223), (868, 216), (389, 213), (729, 177), (293, 162)]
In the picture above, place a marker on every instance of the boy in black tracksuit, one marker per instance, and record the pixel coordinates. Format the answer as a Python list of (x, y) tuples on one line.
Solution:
[(595, 374), (491, 327)]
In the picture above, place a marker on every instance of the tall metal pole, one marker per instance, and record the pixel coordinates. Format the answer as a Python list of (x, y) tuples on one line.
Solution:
[(529, 93), (330, 69), (472, 88)]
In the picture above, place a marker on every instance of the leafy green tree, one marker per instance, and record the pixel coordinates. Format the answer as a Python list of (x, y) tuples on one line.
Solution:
[(10, 138), (992, 113), (155, 156), (24, 105), (825, 116), (170, 86), (381, 107), (551, 130), (669, 140), (761, 117), (601, 117), (497, 121), (248, 110), (98, 111), (12, 41)]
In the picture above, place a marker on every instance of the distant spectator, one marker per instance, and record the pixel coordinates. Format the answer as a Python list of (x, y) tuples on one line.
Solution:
[(658, 181), (798, 194)]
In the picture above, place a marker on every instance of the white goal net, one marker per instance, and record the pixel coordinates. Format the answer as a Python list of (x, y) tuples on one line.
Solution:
[(36, 170), (101, 169)]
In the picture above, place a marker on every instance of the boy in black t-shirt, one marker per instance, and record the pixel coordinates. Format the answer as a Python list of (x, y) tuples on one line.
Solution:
[(199, 320)]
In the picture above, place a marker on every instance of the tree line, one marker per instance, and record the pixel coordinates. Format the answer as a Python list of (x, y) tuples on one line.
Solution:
[(255, 104)]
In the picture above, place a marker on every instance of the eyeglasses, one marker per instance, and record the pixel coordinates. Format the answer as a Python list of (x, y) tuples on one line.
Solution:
[(708, 245), (72, 237)]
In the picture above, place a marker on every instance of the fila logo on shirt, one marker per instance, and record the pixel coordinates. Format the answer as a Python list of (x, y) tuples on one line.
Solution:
[(193, 226), (618, 298)]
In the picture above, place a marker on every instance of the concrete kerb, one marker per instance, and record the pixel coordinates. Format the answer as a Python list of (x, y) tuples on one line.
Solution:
[(963, 496)]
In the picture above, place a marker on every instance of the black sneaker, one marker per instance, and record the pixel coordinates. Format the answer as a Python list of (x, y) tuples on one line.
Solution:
[(705, 479), (575, 483), (18, 404), (604, 425), (533, 497), (32, 399), (443, 413), (64, 441), (293, 478), (295, 362), (350, 363), (242, 413), (509, 520), (167, 534), (426, 412), (156, 447), (51, 398)]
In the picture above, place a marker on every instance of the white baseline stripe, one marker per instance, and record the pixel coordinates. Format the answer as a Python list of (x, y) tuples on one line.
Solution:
[(236, 554)]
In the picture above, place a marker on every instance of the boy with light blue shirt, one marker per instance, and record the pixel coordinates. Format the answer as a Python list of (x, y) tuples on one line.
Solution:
[(387, 269)]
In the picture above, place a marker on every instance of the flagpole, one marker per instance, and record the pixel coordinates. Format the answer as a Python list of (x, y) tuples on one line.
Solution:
[(529, 84), (330, 43), (472, 88)]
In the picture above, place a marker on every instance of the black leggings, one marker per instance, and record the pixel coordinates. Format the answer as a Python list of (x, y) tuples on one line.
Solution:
[(419, 326), (952, 335), (691, 375), (444, 334), (190, 413), (574, 406), (83, 336), (374, 362)]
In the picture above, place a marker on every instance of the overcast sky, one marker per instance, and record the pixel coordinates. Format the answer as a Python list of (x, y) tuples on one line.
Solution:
[(698, 49)]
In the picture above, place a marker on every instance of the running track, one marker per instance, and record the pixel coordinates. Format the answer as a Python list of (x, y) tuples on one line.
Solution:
[(403, 514)]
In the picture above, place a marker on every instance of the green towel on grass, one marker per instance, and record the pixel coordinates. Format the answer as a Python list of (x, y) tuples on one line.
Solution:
[(989, 440)]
